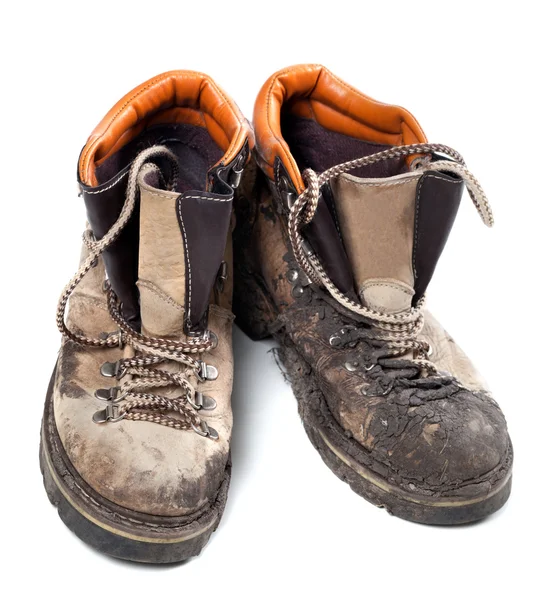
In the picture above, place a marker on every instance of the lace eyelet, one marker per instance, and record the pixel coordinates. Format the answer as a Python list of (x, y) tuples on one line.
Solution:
[(205, 431), (111, 413)]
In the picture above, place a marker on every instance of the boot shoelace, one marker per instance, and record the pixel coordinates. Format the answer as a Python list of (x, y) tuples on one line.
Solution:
[(397, 331), (137, 399)]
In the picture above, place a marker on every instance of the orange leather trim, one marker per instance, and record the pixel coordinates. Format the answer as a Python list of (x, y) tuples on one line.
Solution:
[(173, 97), (312, 91)]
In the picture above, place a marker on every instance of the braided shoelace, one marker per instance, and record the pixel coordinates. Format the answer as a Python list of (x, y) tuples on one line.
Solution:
[(134, 400), (398, 331)]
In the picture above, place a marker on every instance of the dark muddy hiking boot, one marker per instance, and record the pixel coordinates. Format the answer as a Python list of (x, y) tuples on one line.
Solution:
[(333, 255), (137, 422)]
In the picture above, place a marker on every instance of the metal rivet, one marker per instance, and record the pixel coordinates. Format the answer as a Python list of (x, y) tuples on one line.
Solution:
[(109, 369), (292, 275), (335, 340), (297, 291)]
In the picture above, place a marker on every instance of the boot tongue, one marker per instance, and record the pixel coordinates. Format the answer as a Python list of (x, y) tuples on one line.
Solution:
[(394, 230), (182, 242)]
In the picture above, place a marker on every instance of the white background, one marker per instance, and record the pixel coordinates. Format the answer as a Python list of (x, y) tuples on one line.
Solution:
[(477, 77)]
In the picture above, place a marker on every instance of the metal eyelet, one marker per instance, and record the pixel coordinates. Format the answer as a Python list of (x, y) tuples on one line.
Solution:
[(292, 275), (112, 412), (351, 366), (205, 431), (213, 338), (297, 291), (110, 394), (119, 333), (207, 372), (365, 391), (222, 276), (113, 369), (203, 402)]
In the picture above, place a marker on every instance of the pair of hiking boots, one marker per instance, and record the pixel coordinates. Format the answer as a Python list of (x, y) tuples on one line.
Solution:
[(327, 243)]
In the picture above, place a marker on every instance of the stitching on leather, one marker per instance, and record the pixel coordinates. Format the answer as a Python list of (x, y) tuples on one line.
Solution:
[(188, 270), (393, 183), (166, 196), (210, 199), (143, 89), (268, 102), (185, 75), (416, 221), (88, 300), (417, 213), (451, 180), (393, 286), (108, 187), (149, 285)]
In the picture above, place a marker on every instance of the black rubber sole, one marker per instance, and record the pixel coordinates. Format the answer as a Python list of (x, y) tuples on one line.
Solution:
[(112, 529)]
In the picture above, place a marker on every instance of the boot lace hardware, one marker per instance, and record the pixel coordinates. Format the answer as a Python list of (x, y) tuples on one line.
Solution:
[(398, 331), (138, 398)]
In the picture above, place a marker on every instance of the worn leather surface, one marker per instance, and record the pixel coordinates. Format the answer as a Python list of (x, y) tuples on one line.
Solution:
[(172, 97), (142, 466), (313, 92), (437, 200), (162, 271), (103, 205), (443, 436), (204, 221), (376, 219), (448, 439)]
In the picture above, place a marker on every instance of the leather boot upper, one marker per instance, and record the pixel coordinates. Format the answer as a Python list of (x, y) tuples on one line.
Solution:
[(170, 272)]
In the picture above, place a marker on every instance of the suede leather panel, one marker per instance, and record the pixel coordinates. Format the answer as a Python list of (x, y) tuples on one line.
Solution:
[(376, 218), (142, 466), (161, 262)]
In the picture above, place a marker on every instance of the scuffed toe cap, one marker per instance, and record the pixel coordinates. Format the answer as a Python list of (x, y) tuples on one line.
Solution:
[(146, 467), (452, 443)]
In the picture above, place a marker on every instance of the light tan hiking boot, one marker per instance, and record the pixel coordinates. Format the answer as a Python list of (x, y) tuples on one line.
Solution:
[(137, 422), (335, 249)]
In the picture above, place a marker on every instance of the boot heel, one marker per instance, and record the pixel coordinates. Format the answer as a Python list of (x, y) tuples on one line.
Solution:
[(252, 306)]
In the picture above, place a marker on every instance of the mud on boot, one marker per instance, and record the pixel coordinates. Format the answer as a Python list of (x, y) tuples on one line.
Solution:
[(135, 443), (346, 221)]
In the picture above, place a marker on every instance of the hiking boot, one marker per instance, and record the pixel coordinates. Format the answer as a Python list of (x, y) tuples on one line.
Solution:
[(334, 248), (136, 430)]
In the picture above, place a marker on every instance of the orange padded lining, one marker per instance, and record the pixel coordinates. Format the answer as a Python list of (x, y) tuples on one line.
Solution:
[(313, 92), (173, 97)]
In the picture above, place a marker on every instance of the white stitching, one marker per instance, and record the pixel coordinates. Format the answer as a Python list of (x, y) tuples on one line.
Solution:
[(451, 180), (108, 187), (416, 219), (369, 183), (212, 199), (189, 307)]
